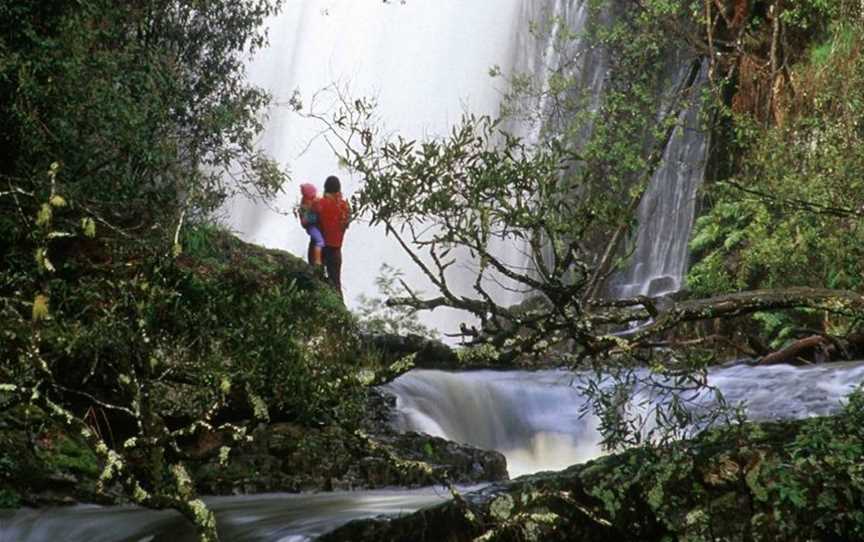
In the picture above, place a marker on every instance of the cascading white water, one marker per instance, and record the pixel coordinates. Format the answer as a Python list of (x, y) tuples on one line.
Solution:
[(665, 215), (666, 212), (426, 63), (536, 418)]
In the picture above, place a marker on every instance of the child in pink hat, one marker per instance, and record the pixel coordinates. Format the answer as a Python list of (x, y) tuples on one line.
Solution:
[(307, 211)]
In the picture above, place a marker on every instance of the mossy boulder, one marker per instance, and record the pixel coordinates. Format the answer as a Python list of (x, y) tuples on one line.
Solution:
[(288, 457), (791, 481), (44, 466)]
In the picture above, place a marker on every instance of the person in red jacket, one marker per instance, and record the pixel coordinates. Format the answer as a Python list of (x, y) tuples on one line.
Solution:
[(333, 217)]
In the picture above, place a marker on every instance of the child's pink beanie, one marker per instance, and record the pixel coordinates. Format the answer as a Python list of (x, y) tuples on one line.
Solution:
[(308, 190)]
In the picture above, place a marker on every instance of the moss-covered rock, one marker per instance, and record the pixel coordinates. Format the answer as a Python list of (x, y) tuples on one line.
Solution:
[(288, 457), (43, 465), (790, 481)]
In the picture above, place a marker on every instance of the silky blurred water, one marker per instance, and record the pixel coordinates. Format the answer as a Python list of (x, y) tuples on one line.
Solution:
[(536, 419), (255, 518)]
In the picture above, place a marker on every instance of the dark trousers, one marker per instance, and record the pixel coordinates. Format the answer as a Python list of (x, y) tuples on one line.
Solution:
[(310, 253), (333, 265)]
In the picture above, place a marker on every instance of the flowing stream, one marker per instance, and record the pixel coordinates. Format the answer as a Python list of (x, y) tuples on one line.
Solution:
[(427, 63), (534, 418), (256, 518)]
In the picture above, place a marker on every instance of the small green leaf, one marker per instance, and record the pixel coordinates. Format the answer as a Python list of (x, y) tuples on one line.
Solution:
[(40, 308), (43, 218), (89, 227)]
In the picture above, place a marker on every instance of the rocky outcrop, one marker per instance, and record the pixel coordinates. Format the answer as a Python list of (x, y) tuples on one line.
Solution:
[(54, 468), (424, 352), (44, 467), (789, 481), (290, 457), (287, 457)]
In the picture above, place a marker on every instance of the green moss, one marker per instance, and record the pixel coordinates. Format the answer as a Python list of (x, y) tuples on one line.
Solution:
[(9, 498), (483, 354), (839, 41), (68, 455), (502, 507), (428, 451)]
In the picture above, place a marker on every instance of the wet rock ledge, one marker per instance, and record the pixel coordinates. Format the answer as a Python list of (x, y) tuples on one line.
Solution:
[(57, 468), (290, 457), (286, 457), (790, 481)]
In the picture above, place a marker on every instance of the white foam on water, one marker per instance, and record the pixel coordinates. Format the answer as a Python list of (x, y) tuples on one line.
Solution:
[(537, 419)]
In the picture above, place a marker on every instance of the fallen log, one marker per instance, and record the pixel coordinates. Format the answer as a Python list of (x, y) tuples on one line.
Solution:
[(817, 348)]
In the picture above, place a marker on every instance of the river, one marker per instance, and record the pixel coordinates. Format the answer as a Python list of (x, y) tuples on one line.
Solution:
[(534, 418)]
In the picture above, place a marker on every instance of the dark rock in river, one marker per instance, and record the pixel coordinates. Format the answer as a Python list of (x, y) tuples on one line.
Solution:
[(287, 457), (428, 353), (789, 481)]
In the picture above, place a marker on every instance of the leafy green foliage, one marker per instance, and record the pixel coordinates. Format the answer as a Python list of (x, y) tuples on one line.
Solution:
[(780, 481), (821, 482), (9, 499), (791, 214), (292, 347), (809, 13), (68, 455), (375, 315), (145, 102), (263, 327), (121, 123)]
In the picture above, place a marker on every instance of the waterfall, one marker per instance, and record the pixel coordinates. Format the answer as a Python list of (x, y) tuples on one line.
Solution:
[(659, 247), (415, 60), (426, 63), (536, 419), (665, 215)]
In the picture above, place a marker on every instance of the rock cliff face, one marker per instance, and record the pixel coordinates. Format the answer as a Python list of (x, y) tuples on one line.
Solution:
[(779, 481)]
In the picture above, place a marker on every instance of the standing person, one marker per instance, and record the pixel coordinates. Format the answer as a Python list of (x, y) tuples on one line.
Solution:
[(307, 211), (333, 216)]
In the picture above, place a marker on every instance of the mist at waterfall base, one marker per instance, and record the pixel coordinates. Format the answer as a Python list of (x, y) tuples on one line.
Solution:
[(424, 63), (533, 418)]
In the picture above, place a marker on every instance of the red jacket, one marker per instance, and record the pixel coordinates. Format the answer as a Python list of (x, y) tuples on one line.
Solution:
[(333, 215)]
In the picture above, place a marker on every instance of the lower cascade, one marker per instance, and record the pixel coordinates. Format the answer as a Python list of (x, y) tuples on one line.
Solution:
[(534, 418), (537, 420)]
